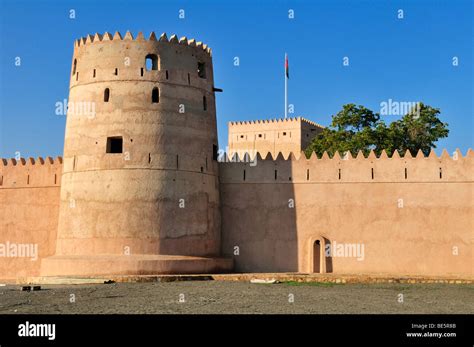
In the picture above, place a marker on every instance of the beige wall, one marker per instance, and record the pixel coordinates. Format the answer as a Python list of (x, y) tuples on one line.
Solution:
[(355, 209), (273, 136), (29, 204), (417, 238)]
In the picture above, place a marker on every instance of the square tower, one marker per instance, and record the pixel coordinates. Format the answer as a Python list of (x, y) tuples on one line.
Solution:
[(271, 136)]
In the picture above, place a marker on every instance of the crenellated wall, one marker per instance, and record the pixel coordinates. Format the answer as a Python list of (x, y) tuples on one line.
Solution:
[(29, 205), (412, 215)]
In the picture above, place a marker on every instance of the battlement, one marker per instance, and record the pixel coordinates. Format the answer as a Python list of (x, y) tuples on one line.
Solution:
[(98, 38), (283, 121), (105, 60), (30, 172), (268, 168)]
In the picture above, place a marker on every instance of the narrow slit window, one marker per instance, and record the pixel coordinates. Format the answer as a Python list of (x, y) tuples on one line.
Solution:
[(214, 152), (372, 172), (115, 145), (141, 72), (189, 79), (116, 72), (167, 74), (339, 173), (1, 180), (204, 103), (149, 158), (406, 173), (201, 70), (74, 66), (155, 96), (93, 74), (106, 95), (244, 175), (77, 76), (28, 179), (151, 62), (202, 169), (440, 173), (276, 174), (177, 161), (307, 175), (55, 178)]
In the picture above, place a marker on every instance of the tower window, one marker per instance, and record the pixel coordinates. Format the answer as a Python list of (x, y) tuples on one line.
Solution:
[(74, 66), (189, 78), (155, 95), (114, 144), (93, 74), (201, 70), (167, 75), (106, 94), (204, 103), (141, 72), (151, 62), (116, 72)]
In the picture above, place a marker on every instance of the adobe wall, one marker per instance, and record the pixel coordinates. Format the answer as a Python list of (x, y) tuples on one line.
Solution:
[(29, 204), (271, 136), (407, 224)]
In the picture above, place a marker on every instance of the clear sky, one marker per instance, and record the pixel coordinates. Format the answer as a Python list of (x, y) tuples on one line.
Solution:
[(409, 59)]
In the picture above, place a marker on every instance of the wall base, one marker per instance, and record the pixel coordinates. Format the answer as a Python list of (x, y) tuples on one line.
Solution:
[(107, 265)]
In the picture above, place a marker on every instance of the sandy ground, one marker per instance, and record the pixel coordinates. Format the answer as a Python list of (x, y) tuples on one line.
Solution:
[(236, 297)]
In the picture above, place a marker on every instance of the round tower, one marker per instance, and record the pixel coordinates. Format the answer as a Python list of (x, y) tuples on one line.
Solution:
[(139, 189)]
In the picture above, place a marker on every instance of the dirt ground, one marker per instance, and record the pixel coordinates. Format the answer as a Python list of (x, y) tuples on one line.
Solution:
[(216, 297)]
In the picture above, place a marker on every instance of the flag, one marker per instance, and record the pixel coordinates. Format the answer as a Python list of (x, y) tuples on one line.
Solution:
[(287, 70)]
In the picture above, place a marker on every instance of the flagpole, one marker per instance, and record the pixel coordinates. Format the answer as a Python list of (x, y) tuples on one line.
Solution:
[(286, 87)]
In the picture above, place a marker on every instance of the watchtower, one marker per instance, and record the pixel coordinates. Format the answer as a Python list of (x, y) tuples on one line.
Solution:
[(140, 175)]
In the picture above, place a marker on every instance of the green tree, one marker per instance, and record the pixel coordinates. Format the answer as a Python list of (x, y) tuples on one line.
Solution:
[(356, 128)]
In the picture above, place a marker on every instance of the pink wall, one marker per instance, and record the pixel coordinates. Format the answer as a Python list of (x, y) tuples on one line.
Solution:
[(29, 203), (413, 225)]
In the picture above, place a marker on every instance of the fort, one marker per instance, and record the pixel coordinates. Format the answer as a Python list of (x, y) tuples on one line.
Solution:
[(141, 189)]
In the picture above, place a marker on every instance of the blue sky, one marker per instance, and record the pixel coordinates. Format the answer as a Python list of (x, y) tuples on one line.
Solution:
[(407, 59)]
